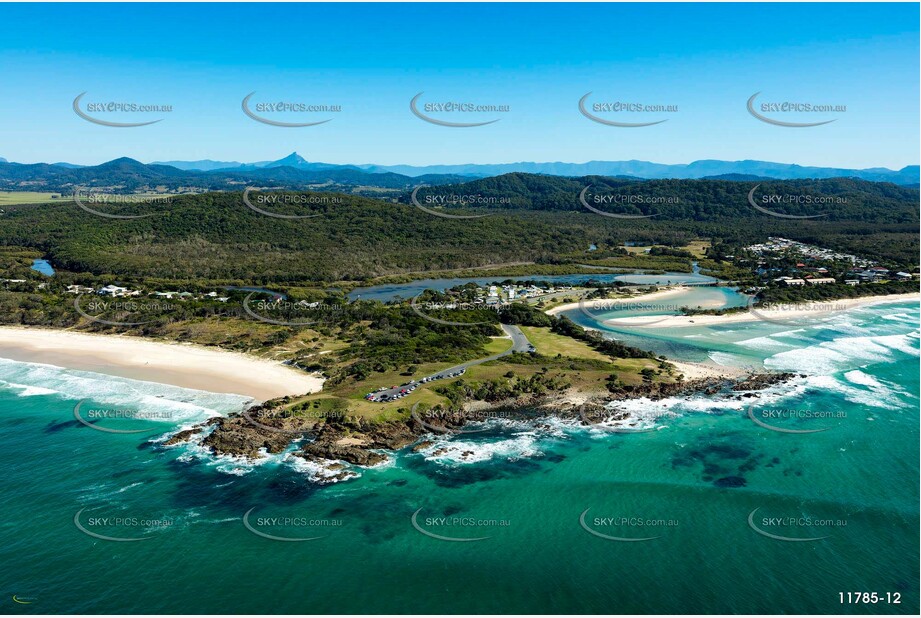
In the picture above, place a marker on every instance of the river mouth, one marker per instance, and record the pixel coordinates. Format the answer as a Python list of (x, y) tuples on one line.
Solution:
[(390, 292)]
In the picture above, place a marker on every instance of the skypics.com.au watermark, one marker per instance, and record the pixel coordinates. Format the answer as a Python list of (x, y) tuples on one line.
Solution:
[(800, 312), (121, 528), (444, 421), (605, 112), (625, 528), (649, 312), (767, 203), (306, 418), (623, 421), (436, 112), (457, 307), (288, 313), (122, 312), (442, 200), (634, 201), (795, 420), (456, 528), (117, 109), (289, 528), (91, 202), (794, 528), (265, 203), (96, 417), (258, 111), (771, 111)]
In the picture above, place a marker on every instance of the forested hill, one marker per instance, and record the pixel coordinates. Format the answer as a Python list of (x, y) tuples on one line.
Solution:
[(216, 236), (847, 199)]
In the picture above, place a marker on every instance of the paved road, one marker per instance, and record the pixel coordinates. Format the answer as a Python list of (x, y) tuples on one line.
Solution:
[(520, 343)]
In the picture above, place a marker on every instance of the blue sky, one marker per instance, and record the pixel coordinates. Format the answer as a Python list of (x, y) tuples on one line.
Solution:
[(539, 59)]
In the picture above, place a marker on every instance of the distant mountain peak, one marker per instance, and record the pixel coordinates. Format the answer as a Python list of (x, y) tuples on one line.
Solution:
[(123, 162), (292, 160)]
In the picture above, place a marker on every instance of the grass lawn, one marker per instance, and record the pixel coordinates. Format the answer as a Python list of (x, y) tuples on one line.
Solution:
[(697, 247), (551, 344), (8, 198)]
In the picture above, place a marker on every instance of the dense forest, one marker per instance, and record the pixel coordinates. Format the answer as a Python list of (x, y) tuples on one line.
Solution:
[(215, 237), (694, 200)]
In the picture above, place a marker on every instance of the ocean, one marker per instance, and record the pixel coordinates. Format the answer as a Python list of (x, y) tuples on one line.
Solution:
[(707, 512)]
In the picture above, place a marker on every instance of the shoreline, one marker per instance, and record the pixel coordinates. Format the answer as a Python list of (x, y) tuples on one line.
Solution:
[(177, 364), (671, 291), (780, 314)]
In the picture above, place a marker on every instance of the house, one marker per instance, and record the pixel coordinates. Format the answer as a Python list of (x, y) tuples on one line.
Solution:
[(821, 281), (794, 281), (903, 276), (851, 281), (113, 290), (78, 289)]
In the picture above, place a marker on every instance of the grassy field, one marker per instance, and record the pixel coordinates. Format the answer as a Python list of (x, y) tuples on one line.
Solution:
[(697, 247), (551, 344), (8, 198)]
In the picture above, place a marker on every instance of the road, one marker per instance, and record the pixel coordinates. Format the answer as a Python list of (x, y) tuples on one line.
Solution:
[(520, 343)]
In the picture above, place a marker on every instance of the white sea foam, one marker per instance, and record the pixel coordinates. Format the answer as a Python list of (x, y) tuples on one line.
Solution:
[(322, 473), (843, 353), (158, 402), (456, 450), (26, 390)]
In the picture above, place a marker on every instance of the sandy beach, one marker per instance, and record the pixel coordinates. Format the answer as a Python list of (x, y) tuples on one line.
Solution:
[(694, 371), (777, 312), (588, 304), (817, 310), (185, 365)]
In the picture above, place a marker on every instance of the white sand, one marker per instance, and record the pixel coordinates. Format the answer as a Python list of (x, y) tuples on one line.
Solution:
[(693, 371), (185, 365), (779, 312), (672, 291)]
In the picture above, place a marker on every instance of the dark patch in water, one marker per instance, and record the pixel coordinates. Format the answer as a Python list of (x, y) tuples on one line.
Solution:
[(730, 481), (398, 482), (469, 474), (198, 486), (54, 427), (726, 457)]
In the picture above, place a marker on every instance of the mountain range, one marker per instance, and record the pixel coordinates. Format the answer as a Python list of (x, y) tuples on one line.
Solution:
[(295, 171), (706, 168)]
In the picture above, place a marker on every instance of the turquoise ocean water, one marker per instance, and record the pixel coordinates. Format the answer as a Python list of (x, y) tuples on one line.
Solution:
[(699, 486)]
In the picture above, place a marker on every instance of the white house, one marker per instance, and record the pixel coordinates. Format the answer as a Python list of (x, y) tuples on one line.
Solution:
[(113, 290)]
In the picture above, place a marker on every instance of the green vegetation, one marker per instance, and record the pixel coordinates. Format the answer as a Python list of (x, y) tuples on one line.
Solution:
[(199, 243)]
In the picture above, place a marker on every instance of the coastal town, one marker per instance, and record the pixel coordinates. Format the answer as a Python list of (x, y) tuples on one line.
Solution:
[(790, 263)]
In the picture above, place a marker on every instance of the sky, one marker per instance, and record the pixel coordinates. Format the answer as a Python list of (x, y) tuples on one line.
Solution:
[(539, 60)]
